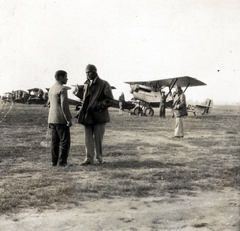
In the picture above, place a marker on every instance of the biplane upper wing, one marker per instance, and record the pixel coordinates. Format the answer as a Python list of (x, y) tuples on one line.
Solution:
[(20, 91), (183, 81)]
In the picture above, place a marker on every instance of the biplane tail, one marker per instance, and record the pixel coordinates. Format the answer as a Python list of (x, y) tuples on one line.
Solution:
[(206, 107)]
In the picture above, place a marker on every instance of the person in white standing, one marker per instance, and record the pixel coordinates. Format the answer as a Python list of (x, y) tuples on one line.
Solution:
[(180, 110)]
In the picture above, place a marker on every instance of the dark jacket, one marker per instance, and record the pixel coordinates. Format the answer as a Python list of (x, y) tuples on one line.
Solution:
[(121, 98), (97, 98), (163, 100), (179, 104)]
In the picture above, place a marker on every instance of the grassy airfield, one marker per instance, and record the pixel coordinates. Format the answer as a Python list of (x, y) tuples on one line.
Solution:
[(145, 169)]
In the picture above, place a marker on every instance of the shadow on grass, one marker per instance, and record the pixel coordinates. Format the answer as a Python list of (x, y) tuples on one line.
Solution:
[(136, 164), (114, 179)]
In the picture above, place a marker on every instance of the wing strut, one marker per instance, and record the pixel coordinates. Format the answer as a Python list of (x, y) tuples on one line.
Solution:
[(206, 110), (171, 86), (186, 87)]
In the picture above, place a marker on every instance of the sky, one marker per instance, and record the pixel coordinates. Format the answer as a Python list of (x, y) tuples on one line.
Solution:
[(127, 40)]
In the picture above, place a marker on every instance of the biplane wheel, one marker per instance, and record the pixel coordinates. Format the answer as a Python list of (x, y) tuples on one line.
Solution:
[(138, 111), (149, 111)]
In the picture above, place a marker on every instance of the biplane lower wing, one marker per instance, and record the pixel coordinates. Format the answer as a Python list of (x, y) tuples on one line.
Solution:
[(128, 105)]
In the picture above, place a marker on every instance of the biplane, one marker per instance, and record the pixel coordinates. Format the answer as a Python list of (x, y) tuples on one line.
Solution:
[(7, 97), (37, 96), (78, 92), (147, 94), (20, 96)]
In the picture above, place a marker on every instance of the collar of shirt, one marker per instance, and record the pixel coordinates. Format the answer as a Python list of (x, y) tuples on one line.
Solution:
[(92, 81)]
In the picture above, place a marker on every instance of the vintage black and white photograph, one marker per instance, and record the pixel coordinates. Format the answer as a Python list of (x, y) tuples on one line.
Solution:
[(119, 115)]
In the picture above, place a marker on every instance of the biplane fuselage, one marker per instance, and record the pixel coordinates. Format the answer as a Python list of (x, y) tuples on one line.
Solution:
[(145, 93), (149, 96)]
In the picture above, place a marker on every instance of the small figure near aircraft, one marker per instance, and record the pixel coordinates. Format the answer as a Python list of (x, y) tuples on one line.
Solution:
[(148, 94), (121, 102), (162, 112)]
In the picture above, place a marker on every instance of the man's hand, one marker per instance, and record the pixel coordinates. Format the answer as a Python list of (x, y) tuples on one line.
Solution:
[(75, 90), (69, 123)]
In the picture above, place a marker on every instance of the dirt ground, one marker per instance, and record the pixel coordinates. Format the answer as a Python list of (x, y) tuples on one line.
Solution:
[(208, 211), (211, 143)]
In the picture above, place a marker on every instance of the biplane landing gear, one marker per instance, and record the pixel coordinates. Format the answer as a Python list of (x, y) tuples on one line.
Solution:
[(138, 111), (149, 111)]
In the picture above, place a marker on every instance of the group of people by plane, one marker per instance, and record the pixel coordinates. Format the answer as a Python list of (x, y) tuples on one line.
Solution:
[(146, 96), (96, 95)]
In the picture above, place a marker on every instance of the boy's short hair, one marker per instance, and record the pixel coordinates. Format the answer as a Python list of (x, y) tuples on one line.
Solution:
[(60, 73)]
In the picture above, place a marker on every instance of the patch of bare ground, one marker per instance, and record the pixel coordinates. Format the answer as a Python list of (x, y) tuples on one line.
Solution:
[(149, 181)]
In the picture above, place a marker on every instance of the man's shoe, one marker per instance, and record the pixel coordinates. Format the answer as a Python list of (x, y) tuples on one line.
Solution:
[(99, 161), (177, 137), (53, 164), (85, 163), (63, 164)]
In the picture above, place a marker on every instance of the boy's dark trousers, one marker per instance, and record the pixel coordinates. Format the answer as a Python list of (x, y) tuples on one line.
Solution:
[(60, 143)]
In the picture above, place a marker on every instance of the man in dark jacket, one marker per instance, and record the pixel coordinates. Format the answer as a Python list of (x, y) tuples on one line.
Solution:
[(121, 100), (162, 104), (94, 115)]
